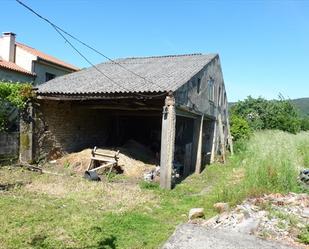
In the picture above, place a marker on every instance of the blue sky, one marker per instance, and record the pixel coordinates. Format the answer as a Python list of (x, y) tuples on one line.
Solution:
[(263, 45)]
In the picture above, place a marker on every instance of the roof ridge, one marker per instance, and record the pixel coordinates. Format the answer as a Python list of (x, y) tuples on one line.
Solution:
[(163, 56), (23, 44)]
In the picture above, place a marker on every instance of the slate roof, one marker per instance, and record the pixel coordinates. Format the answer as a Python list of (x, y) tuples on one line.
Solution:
[(163, 73), (46, 57), (12, 66)]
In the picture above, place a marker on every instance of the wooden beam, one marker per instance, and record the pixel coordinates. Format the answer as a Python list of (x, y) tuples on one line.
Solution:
[(221, 135), (199, 131), (214, 141), (230, 138), (120, 107), (99, 96)]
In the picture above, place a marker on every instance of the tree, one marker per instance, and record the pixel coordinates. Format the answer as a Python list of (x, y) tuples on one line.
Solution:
[(268, 114)]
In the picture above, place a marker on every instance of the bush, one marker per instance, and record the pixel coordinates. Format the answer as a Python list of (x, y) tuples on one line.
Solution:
[(268, 114), (12, 95), (304, 124), (240, 128)]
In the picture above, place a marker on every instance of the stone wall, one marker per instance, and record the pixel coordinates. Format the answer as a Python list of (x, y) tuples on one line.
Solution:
[(67, 127), (9, 145), (194, 95)]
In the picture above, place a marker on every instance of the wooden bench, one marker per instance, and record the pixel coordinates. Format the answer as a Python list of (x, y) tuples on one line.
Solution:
[(106, 160)]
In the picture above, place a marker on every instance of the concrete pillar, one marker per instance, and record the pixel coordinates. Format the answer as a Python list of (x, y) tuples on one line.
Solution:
[(199, 135), (167, 142), (26, 136)]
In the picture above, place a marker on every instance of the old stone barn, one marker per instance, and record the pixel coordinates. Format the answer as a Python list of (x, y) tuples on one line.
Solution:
[(174, 105)]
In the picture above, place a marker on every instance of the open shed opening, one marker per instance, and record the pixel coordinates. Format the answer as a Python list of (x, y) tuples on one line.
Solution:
[(77, 126), (184, 145)]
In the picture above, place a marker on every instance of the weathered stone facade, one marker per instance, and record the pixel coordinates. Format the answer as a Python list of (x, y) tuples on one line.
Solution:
[(66, 127), (9, 145)]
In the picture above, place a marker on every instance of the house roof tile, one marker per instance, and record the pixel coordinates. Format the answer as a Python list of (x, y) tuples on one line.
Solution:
[(12, 66), (46, 56)]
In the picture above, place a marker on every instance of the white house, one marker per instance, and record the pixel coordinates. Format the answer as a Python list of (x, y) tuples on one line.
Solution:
[(19, 62)]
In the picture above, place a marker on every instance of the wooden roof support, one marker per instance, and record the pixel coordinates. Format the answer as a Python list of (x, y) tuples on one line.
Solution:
[(198, 137)]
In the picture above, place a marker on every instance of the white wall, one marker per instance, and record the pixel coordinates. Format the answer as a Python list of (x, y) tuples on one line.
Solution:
[(42, 68), (9, 75), (24, 59)]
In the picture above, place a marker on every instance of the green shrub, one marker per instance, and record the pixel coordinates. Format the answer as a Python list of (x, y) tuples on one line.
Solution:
[(304, 235), (12, 95), (240, 128), (304, 124)]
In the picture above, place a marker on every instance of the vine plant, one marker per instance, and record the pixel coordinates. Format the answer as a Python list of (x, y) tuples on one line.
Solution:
[(13, 95)]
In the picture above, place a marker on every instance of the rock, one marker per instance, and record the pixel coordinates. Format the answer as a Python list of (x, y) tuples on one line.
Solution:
[(196, 213), (305, 213), (221, 207)]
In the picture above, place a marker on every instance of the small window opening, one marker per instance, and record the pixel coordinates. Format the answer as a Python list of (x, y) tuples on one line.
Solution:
[(198, 86), (219, 97), (49, 76), (210, 89)]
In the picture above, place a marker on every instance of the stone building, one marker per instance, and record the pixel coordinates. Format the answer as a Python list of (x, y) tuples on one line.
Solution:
[(176, 105)]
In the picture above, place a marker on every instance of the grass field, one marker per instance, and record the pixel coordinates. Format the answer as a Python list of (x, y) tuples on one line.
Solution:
[(51, 211)]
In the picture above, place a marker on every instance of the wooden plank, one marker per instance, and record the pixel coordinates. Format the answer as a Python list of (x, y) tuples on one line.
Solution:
[(198, 163), (230, 138), (221, 135), (102, 166), (214, 140), (106, 155), (103, 159)]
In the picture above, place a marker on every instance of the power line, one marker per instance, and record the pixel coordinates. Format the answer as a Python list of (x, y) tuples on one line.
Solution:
[(59, 30)]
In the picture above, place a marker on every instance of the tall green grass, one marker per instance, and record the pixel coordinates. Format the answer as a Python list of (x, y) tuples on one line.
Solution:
[(270, 162)]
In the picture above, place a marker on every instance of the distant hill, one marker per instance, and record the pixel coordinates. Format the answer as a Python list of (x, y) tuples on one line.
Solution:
[(302, 105)]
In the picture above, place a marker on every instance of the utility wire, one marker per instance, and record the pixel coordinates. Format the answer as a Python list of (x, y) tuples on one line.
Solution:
[(59, 30)]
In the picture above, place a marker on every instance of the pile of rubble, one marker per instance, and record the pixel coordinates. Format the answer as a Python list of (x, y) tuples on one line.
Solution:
[(274, 216)]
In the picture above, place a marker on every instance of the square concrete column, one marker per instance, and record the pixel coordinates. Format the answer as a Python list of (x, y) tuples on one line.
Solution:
[(167, 142)]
